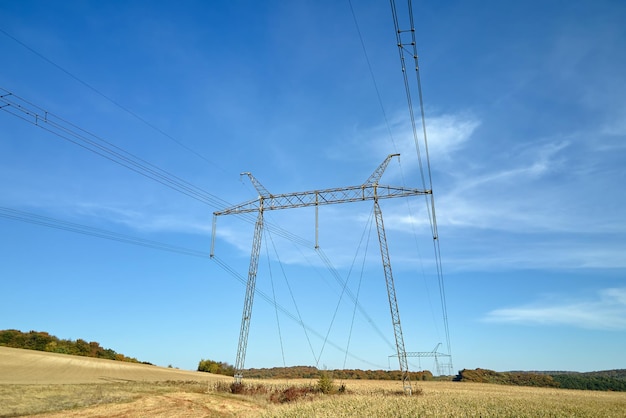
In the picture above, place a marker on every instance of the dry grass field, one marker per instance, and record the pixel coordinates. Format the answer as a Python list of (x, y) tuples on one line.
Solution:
[(54, 385)]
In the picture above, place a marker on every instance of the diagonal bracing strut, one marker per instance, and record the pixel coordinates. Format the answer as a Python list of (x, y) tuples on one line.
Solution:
[(370, 190)]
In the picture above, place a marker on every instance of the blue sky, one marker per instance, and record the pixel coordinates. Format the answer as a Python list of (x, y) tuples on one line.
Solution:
[(526, 122)]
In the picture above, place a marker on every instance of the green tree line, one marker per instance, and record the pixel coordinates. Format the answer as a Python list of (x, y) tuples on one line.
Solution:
[(612, 380), (216, 367), (42, 341), (309, 372), (584, 382)]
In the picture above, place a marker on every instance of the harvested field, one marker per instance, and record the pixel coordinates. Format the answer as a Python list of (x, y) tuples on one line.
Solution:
[(52, 385), (19, 366)]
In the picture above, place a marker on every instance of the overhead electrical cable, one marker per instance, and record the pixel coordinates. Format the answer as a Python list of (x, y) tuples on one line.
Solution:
[(384, 113), (358, 289), (114, 102), (371, 71), (56, 125), (267, 298), (430, 201), (342, 286), (280, 335), (293, 298), (47, 121), (352, 297), (343, 291), (32, 218), (40, 220)]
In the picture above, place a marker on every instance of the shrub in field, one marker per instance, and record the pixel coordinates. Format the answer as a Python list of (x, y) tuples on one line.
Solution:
[(292, 393), (326, 384), (278, 395), (239, 388)]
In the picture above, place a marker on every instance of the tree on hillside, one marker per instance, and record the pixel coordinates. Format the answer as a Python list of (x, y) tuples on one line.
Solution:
[(42, 341), (216, 367)]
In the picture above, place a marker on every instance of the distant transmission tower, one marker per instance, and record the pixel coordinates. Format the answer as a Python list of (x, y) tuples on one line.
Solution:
[(370, 190), (441, 369)]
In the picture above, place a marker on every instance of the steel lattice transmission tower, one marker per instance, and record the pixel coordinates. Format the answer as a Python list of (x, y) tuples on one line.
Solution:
[(441, 369), (370, 190)]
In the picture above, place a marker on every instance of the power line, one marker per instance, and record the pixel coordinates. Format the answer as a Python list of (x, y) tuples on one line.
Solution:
[(293, 298), (269, 300), (40, 220), (49, 122), (371, 71), (430, 200), (114, 102), (43, 119), (384, 113), (430, 206)]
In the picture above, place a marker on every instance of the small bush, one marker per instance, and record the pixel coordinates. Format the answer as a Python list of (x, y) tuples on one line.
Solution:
[(247, 389), (237, 388), (326, 384), (292, 393)]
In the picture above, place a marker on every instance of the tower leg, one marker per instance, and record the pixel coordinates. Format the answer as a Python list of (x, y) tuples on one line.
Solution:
[(247, 306), (393, 302)]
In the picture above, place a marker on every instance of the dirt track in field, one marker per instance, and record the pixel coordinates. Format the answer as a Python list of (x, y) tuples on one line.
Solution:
[(171, 405), (60, 385), (19, 366)]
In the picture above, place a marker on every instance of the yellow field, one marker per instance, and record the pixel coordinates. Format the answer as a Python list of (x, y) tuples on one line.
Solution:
[(453, 399), (53, 385)]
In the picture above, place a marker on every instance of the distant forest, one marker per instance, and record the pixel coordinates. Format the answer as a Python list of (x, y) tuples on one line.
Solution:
[(313, 372), (42, 341), (308, 372), (608, 380)]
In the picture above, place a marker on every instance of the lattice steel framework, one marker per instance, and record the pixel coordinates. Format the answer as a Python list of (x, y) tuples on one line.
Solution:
[(370, 190), (442, 369)]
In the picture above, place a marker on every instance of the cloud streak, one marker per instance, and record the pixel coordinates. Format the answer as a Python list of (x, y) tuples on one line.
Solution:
[(605, 311), (145, 220)]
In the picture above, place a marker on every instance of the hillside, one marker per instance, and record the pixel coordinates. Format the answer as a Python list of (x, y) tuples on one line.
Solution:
[(19, 366), (42, 341)]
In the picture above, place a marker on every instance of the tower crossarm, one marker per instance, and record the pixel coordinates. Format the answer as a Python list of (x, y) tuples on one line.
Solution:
[(257, 185), (377, 174), (322, 197), (425, 354)]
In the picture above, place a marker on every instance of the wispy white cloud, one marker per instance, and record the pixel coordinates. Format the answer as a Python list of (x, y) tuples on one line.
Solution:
[(616, 126), (540, 193), (605, 310), (446, 134), (535, 194), (502, 198), (144, 220), (532, 163)]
